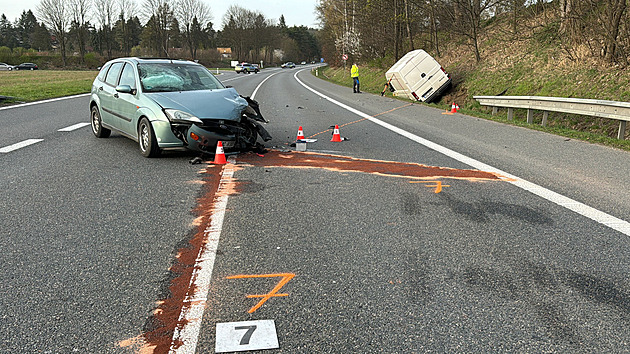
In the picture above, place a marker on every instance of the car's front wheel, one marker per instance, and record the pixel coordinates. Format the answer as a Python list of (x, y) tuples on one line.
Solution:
[(146, 139), (97, 124)]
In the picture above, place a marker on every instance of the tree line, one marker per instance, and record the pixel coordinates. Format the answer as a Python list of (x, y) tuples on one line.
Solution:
[(375, 29), (159, 28)]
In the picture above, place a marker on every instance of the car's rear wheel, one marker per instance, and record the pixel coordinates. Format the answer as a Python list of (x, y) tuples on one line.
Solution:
[(97, 124), (245, 71), (146, 139)]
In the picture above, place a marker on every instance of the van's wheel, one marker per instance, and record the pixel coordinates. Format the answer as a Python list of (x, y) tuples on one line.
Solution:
[(146, 139), (97, 124)]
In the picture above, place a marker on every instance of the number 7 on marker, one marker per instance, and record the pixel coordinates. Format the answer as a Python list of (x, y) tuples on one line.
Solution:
[(273, 293), (248, 334)]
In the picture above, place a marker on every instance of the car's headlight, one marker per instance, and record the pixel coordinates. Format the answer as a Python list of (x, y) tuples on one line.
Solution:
[(181, 116)]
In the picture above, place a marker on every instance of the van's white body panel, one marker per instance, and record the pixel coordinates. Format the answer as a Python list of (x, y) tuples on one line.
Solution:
[(418, 73)]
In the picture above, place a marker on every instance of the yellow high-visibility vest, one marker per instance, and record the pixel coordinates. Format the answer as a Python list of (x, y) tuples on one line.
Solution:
[(354, 72)]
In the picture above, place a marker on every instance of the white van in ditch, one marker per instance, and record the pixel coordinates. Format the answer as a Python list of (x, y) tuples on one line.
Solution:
[(418, 76)]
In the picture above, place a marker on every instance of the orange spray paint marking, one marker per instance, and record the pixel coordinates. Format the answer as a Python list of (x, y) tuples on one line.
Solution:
[(438, 185), (273, 293)]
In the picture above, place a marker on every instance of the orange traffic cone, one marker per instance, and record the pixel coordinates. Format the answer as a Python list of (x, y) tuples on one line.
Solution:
[(219, 155), (300, 134), (456, 107), (336, 136), (453, 108)]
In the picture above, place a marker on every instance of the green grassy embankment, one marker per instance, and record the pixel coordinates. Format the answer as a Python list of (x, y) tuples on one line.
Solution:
[(535, 65), (27, 86)]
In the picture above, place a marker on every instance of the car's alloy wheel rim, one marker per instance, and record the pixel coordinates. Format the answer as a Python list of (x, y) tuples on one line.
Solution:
[(96, 123), (144, 137)]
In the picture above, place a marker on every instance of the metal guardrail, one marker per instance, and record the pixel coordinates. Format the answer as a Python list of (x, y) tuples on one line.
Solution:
[(596, 108)]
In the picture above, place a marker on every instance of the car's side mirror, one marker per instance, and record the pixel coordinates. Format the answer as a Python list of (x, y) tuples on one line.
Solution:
[(125, 89)]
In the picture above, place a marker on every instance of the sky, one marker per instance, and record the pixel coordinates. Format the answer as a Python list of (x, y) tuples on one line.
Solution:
[(296, 13)]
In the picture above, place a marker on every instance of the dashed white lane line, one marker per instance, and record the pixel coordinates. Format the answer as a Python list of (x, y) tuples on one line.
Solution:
[(73, 127), (19, 145), (556, 198), (44, 101)]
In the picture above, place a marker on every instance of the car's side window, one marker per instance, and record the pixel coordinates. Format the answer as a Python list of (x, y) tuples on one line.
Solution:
[(103, 72), (113, 73), (128, 76)]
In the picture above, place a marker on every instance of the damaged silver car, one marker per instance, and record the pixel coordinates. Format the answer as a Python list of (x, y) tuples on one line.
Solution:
[(172, 104)]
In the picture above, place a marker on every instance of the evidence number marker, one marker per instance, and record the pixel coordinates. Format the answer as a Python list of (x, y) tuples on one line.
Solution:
[(245, 336)]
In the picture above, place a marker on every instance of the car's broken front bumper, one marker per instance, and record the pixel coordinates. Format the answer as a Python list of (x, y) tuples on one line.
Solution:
[(203, 140)]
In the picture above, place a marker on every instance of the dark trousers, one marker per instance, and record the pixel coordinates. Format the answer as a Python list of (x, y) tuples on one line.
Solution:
[(355, 86)]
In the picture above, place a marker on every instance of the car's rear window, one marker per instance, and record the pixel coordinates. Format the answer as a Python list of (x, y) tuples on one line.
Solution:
[(167, 77)]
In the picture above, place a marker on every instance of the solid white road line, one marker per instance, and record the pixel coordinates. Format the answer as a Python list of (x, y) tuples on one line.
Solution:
[(44, 101), (192, 314), (260, 84), (19, 145), (568, 203), (73, 127)]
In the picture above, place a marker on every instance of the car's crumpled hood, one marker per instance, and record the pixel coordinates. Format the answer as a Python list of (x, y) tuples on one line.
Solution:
[(216, 104)]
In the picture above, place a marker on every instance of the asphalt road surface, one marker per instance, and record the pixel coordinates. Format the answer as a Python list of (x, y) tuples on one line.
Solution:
[(421, 232)]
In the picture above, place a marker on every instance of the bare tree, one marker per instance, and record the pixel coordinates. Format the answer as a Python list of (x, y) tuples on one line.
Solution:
[(106, 13), (79, 10), (161, 14), (465, 17), (186, 12), (54, 14)]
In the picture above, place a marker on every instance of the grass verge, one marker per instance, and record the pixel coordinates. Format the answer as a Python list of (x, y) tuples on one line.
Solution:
[(373, 80), (28, 86)]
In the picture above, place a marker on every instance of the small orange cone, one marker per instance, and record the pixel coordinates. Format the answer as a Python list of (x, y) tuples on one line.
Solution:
[(456, 107), (219, 155), (453, 108), (336, 136), (300, 134)]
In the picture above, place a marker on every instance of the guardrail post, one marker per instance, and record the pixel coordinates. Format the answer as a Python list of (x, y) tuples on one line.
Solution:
[(495, 109), (622, 130), (530, 116), (510, 113), (545, 117)]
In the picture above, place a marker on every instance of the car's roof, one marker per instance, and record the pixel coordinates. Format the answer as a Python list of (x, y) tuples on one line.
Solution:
[(155, 60)]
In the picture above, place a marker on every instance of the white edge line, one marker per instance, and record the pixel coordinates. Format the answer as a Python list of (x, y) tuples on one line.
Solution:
[(44, 101), (73, 127), (260, 84), (556, 198), (192, 313), (19, 145)]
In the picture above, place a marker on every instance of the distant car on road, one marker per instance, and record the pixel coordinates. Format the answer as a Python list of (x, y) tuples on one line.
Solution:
[(303, 63), (288, 64), (246, 68), (4, 66), (26, 66)]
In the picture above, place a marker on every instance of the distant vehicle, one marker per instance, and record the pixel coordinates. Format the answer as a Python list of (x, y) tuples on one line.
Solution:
[(245, 68), (26, 66), (5, 66), (288, 64), (418, 76), (303, 63)]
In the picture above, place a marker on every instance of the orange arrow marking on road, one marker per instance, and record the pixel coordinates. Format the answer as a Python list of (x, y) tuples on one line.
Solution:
[(438, 185), (286, 277)]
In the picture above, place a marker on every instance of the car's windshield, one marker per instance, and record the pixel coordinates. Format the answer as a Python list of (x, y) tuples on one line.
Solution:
[(167, 77)]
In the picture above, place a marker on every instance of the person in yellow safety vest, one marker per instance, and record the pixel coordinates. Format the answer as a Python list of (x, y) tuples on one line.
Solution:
[(354, 73)]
